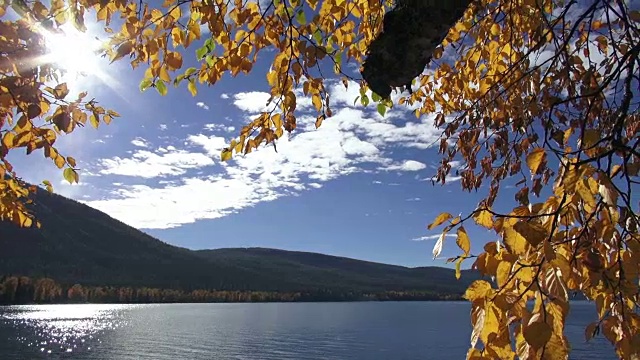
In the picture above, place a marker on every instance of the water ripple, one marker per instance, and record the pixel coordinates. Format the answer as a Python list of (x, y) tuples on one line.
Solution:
[(311, 331)]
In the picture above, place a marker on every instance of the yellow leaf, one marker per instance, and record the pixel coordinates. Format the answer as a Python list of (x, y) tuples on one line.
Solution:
[(532, 232), (557, 310), (191, 86), (535, 158), (7, 140), (537, 334), (61, 91), (317, 102), (478, 289), (319, 121), (164, 74), (556, 348), (516, 243), (503, 273), (463, 241), (225, 155), (585, 194), (123, 50), (94, 121), (70, 175), (439, 220), (483, 218), (495, 29), (59, 161), (491, 325), (458, 265)]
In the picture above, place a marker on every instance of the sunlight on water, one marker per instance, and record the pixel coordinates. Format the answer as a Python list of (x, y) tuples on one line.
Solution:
[(278, 331), (63, 328)]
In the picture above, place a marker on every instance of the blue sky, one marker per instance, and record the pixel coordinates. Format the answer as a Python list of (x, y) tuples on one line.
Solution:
[(357, 187)]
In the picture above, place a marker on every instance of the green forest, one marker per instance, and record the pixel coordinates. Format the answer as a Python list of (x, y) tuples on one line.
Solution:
[(83, 255)]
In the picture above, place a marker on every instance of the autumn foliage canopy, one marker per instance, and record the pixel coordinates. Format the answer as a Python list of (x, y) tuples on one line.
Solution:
[(542, 94)]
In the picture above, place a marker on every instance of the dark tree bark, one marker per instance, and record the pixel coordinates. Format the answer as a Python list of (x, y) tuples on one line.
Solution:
[(411, 32)]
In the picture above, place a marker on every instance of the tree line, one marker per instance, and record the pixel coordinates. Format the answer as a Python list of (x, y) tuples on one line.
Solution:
[(20, 290)]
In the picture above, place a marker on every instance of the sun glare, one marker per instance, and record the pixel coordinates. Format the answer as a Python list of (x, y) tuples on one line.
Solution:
[(76, 53)]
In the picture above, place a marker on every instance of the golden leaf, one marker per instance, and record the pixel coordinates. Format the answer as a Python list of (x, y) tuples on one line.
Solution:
[(191, 86), (319, 121), (61, 91), (458, 265), (463, 241), (503, 272), (478, 289), (317, 102), (585, 194), (225, 155), (556, 348), (439, 220), (514, 241), (532, 232), (535, 158), (483, 218)]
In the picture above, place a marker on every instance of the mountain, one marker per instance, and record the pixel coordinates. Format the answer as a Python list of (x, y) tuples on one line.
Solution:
[(79, 244)]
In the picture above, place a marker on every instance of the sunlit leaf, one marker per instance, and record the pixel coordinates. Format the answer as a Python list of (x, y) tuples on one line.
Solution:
[(535, 158), (439, 220), (463, 241)]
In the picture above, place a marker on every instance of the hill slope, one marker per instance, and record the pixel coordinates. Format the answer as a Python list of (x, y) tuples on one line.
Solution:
[(78, 244)]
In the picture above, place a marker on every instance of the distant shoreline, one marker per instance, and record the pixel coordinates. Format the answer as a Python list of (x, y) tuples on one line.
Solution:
[(23, 290), (239, 302)]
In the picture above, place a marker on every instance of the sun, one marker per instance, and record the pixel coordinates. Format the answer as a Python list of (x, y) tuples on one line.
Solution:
[(76, 53)]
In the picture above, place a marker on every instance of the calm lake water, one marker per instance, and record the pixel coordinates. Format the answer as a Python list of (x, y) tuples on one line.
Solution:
[(370, 330)]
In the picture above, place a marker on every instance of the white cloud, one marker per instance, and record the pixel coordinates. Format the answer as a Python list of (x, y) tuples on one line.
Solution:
[(140, 142), (211, 144), (147, 164), (431, 237), (219, 127), (409, 165), (224, 96), (253, 102), (414, 199), (202, 105), (353, 140), (162, 127)]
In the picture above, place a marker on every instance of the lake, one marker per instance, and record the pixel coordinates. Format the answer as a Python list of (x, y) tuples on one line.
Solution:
[(365, 330)]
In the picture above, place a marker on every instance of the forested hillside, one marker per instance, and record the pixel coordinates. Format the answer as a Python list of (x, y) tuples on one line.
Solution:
[(78, 244)]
